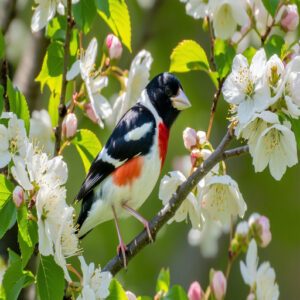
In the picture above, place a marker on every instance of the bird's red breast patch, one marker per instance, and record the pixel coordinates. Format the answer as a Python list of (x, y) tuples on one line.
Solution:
[(128, 172), (163, 138)]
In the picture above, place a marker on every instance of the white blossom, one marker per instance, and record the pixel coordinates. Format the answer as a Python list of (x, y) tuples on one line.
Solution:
[(190, 206), (246, 87), (277, 148), (292, 94), (262, 279), (94, 83), (221, 199), (137, 80), (45, 12), (41, 130), (196, 8), (227, 14), (95, 284)]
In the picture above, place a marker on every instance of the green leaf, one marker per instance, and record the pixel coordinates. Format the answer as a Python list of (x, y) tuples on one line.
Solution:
[(274, 45), (84, 14), (87, 145), (249, 53), (188, 56), (144, 298), (271, 6), (115, 13), (2, 45), (163, 280), (27, 234), (56, 28), (116, 291), (224, 55), (15, 278), (51, 72), (18, 104), (52, 109), (7, 217), (6, 189), (50, 279), (74, 43), (176, 293)]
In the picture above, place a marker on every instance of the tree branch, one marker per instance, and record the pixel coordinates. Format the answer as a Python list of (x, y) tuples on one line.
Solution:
[(62, 110), (235, 152), (168, 211)]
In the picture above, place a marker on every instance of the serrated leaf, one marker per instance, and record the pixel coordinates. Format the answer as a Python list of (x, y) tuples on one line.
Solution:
[(224, 55), (115, 13), (187, 56), (6, 189), (274, 45), (7, 217), (51, 72), (84, 14), (2, 45), (15, 278), (87, 145), (27, 234), (163, 280), (50, 279), (18, 104), (176, 293), (271, 6), (116, 291)]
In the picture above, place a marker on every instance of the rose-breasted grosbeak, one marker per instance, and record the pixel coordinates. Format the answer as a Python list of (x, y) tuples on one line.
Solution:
[(126, 170)]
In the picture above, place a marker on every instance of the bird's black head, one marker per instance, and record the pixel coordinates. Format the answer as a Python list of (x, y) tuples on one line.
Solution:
[(166, 95)]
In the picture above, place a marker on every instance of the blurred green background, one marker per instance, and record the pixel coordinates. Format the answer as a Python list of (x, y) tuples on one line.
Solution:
[(159, 30)]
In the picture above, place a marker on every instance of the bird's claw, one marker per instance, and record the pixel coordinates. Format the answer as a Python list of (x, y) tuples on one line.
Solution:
[(147, 227), (122, 249)]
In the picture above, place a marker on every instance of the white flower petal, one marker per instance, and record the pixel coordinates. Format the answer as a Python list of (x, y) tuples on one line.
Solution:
[(74, 71)]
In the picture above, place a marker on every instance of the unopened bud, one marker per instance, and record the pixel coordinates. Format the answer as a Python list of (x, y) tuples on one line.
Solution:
[(90, 112), (130, 295), (251, 297), (195, 291), (69, 125), (18, 196), (260, 226), (218, 285), (290, 18), (201, 135), (114, 46), (242, 229), (189, 138)]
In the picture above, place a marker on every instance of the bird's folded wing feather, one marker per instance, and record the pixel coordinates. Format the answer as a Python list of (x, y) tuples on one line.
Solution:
[(133, 136)]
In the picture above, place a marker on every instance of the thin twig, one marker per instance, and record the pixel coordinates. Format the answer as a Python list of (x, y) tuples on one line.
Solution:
[(62, 110), (168, 211), (214, 107)]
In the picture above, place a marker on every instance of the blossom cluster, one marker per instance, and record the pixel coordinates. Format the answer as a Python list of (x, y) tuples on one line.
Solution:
[(264, 98), (244, 20), (215, 200)]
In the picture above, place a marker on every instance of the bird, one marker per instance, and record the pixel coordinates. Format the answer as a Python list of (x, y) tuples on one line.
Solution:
[(126, 170)]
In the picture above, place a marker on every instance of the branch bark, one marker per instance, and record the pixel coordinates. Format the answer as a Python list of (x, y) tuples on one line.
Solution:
[(62, 109), (167, 212)]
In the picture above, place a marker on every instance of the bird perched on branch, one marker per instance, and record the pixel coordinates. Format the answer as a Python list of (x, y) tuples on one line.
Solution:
[(126, 170)]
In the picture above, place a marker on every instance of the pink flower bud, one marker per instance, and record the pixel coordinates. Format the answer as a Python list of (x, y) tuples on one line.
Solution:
[(219, 285), (130, 295), (69, 125), (114, 46), (195, 291), (251, 297), (90, 112), (242, 229), (189, 138), (290, 18), (18, 196), (260, 226), (201, 135)]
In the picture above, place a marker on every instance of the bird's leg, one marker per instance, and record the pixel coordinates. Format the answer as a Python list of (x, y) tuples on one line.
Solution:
[(135, 214), (121, 246)]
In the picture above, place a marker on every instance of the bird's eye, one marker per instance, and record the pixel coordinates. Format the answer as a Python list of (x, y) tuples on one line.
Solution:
[(168, 92)]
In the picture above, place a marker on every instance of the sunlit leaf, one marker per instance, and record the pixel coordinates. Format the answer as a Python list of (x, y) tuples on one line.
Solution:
[(176, 293), (188, 56), (18, 104), (163, 281), (271, 6), (87, 145), (274, 45), (115, 13), (50, 279), (6, 189), (116, 291)]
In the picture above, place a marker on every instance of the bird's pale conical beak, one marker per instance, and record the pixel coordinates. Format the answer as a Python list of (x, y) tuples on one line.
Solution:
[(180, 101)]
